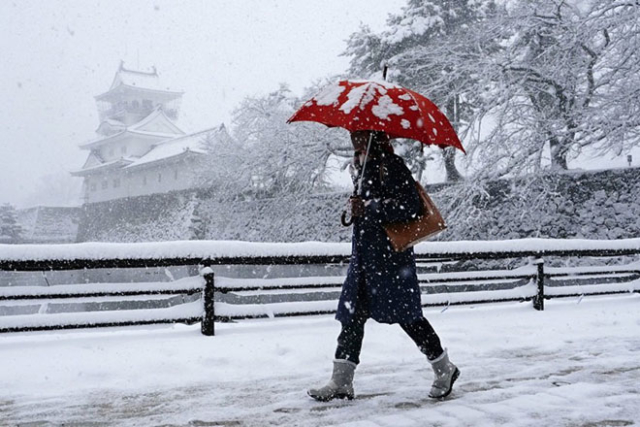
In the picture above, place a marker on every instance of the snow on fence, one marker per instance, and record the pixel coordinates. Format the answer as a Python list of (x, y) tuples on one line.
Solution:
[(531, 282)]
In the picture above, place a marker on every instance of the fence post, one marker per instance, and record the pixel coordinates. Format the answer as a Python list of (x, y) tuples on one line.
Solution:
[(538, 300), (208, 318)]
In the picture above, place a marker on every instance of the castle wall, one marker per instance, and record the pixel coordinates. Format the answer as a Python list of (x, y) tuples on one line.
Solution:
[(49, 224), (161, 177), (593, 205)]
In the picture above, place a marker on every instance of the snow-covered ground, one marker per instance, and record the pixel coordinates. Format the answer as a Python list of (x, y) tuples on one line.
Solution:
[(575, 364)]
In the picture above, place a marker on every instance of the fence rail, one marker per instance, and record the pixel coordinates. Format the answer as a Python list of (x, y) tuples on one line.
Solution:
[(534, 282), (89, 294)]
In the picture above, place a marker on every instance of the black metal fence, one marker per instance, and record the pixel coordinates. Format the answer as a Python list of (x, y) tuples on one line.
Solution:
[(531, 281), (206, 318)]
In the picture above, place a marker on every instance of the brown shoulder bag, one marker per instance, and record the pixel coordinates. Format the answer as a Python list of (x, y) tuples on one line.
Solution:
[(404, 235)]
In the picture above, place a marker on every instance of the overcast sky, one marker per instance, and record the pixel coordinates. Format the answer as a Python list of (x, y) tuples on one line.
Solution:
[(57, 55)]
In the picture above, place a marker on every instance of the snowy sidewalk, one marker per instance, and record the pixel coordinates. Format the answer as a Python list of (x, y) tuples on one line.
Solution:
[(575, 364)]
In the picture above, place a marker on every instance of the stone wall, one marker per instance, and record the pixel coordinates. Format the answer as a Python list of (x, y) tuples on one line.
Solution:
[(44, 224), (157, 217), (594, 205), (287, 219)]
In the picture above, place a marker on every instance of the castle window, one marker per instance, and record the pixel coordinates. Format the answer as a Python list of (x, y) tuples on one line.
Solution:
[(93, 186), (116, 183), (159, 177), (144, 180), (135, 104), (105, 185), (175, 174)]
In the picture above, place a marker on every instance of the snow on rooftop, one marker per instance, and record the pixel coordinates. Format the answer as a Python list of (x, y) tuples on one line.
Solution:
[(140, 79), (170, 147), (122, 161), (114, 122), (157, 115), (189, 143)]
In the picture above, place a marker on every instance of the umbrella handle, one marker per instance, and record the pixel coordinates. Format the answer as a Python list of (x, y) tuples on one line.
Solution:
[(343, 219)]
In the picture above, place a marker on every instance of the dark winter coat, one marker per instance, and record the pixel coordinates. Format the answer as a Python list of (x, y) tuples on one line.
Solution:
[(389, 277)]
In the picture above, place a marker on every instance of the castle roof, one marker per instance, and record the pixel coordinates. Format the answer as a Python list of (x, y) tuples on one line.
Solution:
[(114, 164), (166, 150), (193, 143), (140, 81), (156, 125)]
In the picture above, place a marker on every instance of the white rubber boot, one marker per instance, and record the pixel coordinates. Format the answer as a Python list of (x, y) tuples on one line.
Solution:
[(340, 385), (446, 373)]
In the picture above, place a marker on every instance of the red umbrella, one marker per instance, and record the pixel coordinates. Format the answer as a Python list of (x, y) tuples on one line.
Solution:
[(373, 105)]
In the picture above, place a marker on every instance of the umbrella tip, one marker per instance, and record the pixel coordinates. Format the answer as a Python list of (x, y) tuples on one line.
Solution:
[(385, 67)]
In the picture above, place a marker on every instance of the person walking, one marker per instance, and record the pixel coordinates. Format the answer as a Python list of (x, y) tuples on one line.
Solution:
[(381, 284)]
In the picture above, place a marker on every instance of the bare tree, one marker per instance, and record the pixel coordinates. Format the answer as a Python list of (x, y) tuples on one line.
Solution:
[(281, 157), (223, 171), (565, 79), (525, 82)]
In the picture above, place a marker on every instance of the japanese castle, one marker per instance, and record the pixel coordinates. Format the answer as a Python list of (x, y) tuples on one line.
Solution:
[(139, 149)]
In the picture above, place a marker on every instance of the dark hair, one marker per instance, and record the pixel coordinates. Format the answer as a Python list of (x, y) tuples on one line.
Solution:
[(381, 142), (380, 137)]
